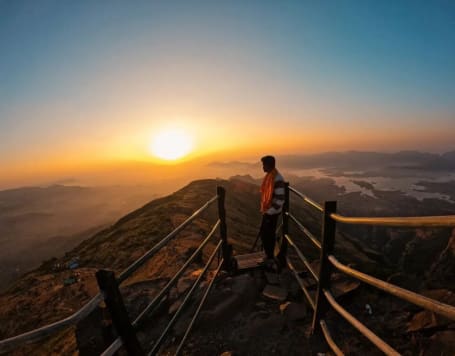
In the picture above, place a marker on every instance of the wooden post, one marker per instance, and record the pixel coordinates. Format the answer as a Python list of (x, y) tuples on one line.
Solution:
[(325, 270), (114, 302), (285, 229), (225, 247)]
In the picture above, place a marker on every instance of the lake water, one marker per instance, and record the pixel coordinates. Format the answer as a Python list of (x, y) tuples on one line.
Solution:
[(401, 182)]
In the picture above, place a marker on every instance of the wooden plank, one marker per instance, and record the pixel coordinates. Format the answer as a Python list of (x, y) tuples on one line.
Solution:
[(250, 260)]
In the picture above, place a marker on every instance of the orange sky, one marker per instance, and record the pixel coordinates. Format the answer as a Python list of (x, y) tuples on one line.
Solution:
[(92, 86)]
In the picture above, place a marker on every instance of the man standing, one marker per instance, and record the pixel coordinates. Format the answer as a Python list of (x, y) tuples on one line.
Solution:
[(272, 200)]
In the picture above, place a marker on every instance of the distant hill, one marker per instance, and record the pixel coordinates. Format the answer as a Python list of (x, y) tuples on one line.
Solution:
[(39, 223), (356, 160)]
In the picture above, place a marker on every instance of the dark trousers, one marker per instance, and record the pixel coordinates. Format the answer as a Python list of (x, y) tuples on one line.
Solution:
[(268, 237)]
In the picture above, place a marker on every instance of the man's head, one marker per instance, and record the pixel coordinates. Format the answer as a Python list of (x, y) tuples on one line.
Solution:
[(268, 163)]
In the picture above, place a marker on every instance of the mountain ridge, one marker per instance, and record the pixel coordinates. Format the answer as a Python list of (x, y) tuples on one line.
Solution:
[(42, 294)]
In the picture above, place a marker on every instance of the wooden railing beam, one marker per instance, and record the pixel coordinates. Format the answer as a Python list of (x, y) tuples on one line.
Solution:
[(325, 270), (226, 249), (114, 302)]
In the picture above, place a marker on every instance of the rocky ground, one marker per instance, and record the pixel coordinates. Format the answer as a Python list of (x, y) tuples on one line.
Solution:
[(259, 313), (252, 313)]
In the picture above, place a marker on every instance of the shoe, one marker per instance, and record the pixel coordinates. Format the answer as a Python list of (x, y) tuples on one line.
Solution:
[(271, 265), (266, 262)]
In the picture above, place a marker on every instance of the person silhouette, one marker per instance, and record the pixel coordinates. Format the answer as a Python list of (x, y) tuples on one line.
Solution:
[(272, 201)]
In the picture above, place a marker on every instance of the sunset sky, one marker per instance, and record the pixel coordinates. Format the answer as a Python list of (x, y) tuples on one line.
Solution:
[(94, 82)]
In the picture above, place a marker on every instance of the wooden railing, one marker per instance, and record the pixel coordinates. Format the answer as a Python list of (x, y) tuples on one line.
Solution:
[(110, 293), (328, 262)]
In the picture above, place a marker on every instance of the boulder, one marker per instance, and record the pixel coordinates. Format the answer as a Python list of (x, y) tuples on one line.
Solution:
[(442, 343), (275, 292), (236, 294), (426, 320), (293, 311), (422, 320)]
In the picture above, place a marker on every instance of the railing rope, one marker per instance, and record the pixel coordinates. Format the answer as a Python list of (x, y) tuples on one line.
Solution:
[(140, 261), (198, 310), (302, 286), (412, 221), (174, 279), (302, 258), (307, 232), (32, 336), (324, 299), (154, 303), (328, 337), (36, 335), (381, 344), (445, 310), (113, 348), (307, 199), (158, 343)]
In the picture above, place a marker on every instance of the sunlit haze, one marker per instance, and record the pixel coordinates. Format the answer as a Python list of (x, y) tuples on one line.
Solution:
[(171, 144), (89, 88)]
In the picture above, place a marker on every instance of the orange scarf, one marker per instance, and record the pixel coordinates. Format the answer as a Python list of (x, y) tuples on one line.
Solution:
[(267, 190)]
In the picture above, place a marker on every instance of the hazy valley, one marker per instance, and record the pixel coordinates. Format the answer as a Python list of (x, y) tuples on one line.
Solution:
[(39, 223)]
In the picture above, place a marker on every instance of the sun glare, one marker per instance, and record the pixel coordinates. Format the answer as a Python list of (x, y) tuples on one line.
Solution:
[(171, 144)]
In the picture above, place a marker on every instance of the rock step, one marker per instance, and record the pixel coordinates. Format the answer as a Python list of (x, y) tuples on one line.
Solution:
[(275, 292)]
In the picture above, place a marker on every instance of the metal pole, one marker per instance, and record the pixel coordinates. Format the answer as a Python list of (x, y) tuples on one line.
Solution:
[(114, 302), (285, 228), (325, 270), (225, 247)]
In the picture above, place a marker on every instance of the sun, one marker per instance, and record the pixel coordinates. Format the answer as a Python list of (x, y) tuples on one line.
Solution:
[(171, 144)]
